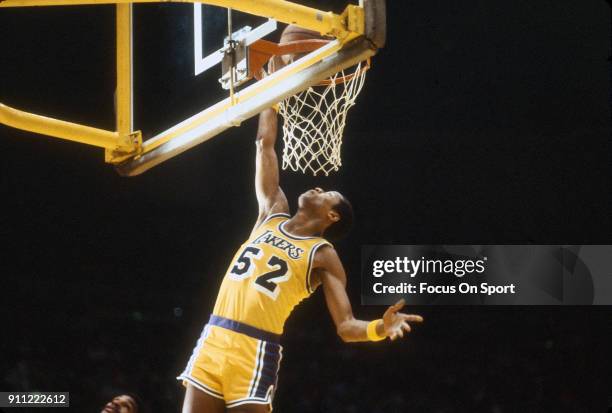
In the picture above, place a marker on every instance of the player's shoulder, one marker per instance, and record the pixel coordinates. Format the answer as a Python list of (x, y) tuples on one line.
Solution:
[(325, 253)]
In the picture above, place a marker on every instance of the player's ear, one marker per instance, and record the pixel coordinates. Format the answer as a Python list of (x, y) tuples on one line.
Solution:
[(333, 216)]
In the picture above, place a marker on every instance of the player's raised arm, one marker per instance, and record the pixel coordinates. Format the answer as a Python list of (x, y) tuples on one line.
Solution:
[(331, 273), (270, 197)]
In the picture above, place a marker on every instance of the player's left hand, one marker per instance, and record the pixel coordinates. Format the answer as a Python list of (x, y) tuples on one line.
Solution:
[(396, 323)]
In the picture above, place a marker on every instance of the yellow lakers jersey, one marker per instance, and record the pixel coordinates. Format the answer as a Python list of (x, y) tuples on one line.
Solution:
[(268, 277)]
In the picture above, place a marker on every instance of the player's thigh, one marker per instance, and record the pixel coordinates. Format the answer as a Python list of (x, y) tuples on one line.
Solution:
[(250, 408), (196, 401)]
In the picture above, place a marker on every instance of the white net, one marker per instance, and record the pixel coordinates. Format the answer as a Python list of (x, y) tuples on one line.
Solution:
[(314, 120)]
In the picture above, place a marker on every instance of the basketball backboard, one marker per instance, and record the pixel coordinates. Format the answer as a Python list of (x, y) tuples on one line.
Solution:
[(177, 66), (211, 27)]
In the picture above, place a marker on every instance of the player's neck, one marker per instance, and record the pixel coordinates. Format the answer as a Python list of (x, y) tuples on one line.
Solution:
[(304, 225)]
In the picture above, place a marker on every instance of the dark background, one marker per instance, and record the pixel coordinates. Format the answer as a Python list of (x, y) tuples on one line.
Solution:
[(481, 123)]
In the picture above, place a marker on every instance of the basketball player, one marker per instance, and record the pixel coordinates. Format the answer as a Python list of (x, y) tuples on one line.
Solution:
[(124, 403), (235, 363)]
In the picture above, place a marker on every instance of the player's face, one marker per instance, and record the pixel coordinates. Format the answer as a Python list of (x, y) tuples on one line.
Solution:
[(120, 404), (319, 200)]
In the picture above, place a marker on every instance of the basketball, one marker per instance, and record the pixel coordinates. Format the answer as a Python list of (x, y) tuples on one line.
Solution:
[(295, 33)]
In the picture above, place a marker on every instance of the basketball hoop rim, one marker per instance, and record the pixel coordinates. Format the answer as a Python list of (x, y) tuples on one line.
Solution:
[(309, 45)]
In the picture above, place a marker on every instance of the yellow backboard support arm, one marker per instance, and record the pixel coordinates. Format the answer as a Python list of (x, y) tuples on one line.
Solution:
[(326, 23), (124, 99), (59, 128)]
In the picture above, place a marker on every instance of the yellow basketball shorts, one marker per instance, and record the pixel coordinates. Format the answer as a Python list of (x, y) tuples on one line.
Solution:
[(234, 362)]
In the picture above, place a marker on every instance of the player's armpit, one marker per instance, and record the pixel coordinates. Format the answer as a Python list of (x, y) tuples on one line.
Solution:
[(275, 205)]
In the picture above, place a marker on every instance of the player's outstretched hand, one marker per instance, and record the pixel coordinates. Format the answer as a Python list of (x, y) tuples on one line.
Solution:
[(396, 323)]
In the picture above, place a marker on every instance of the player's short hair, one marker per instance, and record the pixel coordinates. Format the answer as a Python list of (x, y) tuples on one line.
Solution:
[(342, 227), (139, 405)]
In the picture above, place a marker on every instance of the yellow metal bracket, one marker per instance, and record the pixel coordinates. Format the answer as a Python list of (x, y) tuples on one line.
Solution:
[(133, 143), (354, 20)]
